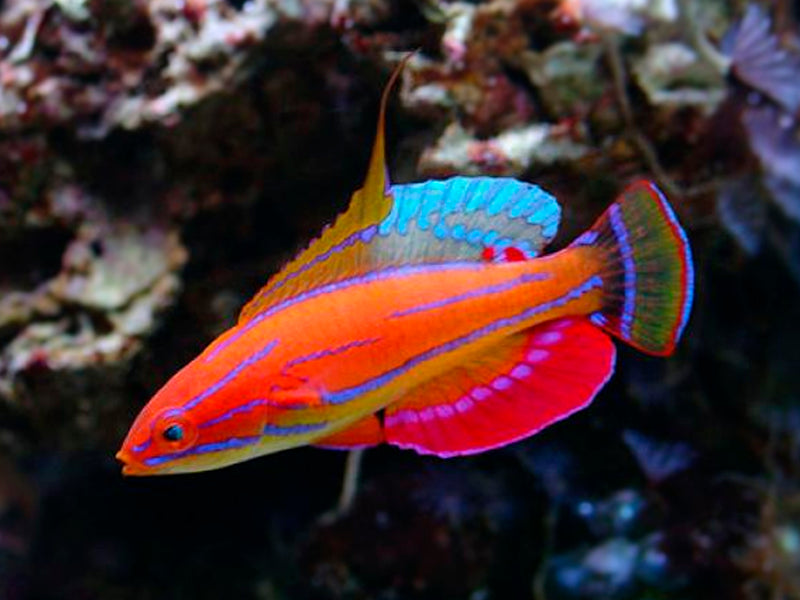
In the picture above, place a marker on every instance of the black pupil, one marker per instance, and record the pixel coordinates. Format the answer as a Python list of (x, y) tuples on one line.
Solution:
[(173, 433)]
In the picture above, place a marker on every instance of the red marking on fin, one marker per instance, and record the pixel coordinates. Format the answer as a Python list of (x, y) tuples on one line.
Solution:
[(535, 379), (510, 254), (513, 254), (366, 432)]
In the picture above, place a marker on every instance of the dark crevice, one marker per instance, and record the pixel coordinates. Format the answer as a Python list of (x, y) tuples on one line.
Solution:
[(32, 257), (520, 79)]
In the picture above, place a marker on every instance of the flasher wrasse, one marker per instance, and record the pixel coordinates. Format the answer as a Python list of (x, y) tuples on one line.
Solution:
[(425, 318)]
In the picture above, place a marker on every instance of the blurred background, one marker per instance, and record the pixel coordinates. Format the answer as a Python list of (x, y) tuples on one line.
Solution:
[(159, 159)]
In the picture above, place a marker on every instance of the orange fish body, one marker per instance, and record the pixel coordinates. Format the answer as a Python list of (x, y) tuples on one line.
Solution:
[(422, 318)]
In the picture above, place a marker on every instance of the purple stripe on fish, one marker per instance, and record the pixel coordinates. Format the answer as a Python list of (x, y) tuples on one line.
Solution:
[(340, 285), (230, 375), (251, 405), (687, 259), (587, 238), (364, 235), (244, 408), (229, 444), (621, 233), (348, 394), (368, 233), (484, 291), (281, 430), (143, 446), (329, 352), (236, 442)]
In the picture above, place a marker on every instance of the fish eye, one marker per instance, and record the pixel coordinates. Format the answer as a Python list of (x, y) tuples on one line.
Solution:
[(173, 433), (173, 430)]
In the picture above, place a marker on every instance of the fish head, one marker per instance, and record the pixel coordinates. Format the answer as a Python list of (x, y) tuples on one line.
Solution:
[(183, 430)]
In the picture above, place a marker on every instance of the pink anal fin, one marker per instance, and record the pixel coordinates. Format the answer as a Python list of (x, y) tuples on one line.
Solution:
[(365, 432), (533, 380)]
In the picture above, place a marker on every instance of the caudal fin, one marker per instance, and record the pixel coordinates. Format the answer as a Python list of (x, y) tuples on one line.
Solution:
[(648, 275)]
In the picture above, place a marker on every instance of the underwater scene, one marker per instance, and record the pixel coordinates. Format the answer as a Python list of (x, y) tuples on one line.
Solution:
[(399, 299)]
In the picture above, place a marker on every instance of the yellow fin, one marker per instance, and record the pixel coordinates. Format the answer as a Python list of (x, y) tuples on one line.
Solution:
[(343, 249)]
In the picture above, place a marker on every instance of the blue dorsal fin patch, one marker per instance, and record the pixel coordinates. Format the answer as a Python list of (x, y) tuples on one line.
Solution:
[(458, 218)]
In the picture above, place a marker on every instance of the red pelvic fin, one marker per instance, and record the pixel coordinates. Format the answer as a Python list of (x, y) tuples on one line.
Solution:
[(533, 380), (366, 432)]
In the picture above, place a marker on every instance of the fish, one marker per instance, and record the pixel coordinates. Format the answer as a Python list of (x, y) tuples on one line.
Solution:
[(426, 317)]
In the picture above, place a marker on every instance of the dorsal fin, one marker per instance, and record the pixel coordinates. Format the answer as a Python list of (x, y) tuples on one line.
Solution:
[(431, 222), (342, 249), (457, 219)]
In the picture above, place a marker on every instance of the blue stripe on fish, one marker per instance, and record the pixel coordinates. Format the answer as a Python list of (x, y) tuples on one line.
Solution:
[(283, 430), (464, 210), (330, 352), (230, 375), (143, 446), (229, 444), (469, 199), (244, 408), (687, 259), (248, 406), (621, 233), (484, 291), (235, 442), (587, 238), (365, 234), (345, 395), (404, 271), (479, 210)]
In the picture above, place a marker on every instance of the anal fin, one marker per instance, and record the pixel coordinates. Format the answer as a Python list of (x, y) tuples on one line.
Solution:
[(531, 381)]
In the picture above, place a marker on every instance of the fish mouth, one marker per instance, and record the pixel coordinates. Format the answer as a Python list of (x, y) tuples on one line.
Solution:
[(129, 467)]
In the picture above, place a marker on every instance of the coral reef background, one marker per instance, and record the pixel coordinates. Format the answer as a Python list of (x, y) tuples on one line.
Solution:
[(160, 158)]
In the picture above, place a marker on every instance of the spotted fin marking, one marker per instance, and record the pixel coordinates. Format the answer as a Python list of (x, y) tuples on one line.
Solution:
[(458, 218), (648, 278), (342, 249), (363, 433), (533, 380)]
